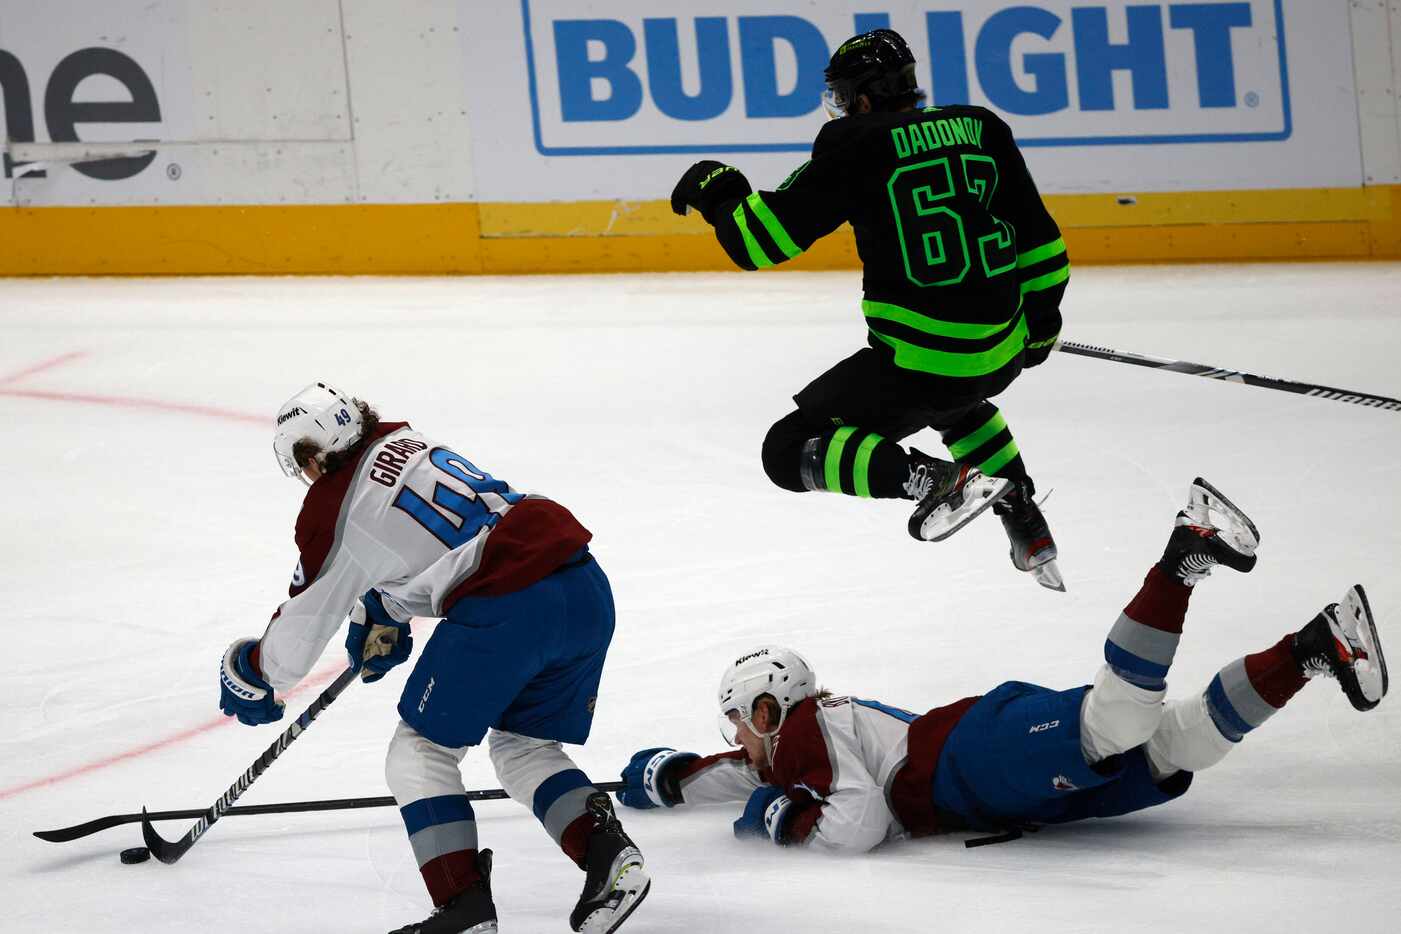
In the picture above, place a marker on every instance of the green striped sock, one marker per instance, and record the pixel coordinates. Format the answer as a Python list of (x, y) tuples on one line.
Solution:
[(861, 463), (985, 441)]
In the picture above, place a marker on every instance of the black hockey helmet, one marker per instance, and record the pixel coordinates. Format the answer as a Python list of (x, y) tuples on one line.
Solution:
[(878, 64)]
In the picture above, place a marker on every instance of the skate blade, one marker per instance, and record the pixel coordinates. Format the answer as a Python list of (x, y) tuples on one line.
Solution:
[(632, 885), (979, 494), (1209, 506), (1371, 672), (1048, 576)]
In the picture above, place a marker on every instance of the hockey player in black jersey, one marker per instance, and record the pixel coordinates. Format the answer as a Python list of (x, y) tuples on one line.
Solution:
[(964, 274)]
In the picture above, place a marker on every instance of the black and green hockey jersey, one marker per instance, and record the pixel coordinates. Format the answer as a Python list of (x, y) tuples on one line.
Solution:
[(958, 249)]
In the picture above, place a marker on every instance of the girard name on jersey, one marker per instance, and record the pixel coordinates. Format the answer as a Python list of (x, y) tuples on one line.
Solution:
[(389, 462)]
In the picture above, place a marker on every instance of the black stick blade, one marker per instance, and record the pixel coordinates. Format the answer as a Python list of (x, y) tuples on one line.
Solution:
[(160, 848), (77, 831)]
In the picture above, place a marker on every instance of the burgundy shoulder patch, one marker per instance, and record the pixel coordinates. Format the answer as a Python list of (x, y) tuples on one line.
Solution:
[(800, 755), (316, 524)]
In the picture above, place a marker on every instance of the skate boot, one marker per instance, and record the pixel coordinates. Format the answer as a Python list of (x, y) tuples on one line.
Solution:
[(1033, 548), (1212, 530), (950, 495), (616, 880), (1341, 642), (469, 912)]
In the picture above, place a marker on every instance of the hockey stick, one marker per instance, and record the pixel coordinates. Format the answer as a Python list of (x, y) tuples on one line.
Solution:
[(78, 831), (168, 852), (1230, 376)]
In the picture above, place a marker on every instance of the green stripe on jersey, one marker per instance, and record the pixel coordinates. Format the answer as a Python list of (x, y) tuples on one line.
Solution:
[(1041, 283), (913, 319), (1041, 253), (942, 363), (771, 224)]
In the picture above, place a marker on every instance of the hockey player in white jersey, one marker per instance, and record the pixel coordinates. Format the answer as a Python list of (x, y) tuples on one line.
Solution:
[(843, 774), (395, 525)]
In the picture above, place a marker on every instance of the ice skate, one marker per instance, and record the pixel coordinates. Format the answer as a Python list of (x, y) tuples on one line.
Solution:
[(1033, 549), (1212, 530), (469, 912), (1341, 642), (950, 495), (616, 881)]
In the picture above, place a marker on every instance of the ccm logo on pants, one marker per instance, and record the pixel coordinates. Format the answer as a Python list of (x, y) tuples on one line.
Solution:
[(1040, 727)]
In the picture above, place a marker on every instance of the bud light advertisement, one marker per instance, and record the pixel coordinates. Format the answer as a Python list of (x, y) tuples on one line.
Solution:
[(1115, 94)]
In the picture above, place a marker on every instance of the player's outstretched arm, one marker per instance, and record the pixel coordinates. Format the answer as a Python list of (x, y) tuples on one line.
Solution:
[(663, 777), (759, 229)]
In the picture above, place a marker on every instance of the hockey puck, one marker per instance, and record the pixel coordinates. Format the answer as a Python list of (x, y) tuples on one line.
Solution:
[(137, 854)]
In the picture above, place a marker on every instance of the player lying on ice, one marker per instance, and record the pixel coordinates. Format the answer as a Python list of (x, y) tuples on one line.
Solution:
[(845, 774), (527, 617)]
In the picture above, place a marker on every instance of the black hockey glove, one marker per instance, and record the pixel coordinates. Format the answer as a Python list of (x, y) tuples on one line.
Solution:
[(1043, 330), (706, 186)]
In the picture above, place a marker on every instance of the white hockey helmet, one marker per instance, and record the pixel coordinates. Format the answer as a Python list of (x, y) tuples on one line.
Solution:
[(319, 414), (768, 669)]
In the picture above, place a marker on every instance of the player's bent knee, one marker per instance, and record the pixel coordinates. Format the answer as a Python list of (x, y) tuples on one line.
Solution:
[(416, 767), (782, 451), (1117, 716), (400, 761), (522, 762), (1187, 738)]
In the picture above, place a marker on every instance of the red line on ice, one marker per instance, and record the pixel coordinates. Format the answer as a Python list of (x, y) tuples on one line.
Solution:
[(127, 402), (42, 366), (313, 680)]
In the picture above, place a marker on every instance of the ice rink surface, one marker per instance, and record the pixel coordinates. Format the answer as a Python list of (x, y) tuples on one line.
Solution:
[(146, 526)]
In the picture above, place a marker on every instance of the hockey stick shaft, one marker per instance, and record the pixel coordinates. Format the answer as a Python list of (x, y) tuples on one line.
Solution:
[(78, 831), (168, 852), (1231, 376)]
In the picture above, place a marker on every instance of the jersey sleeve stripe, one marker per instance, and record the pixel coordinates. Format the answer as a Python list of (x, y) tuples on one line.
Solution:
[(1049, 280), (770, 221), (756, 252), (1041, 253)]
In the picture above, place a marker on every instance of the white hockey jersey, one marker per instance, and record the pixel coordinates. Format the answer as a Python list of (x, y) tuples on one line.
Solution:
[(858, 772), (422, 524)]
